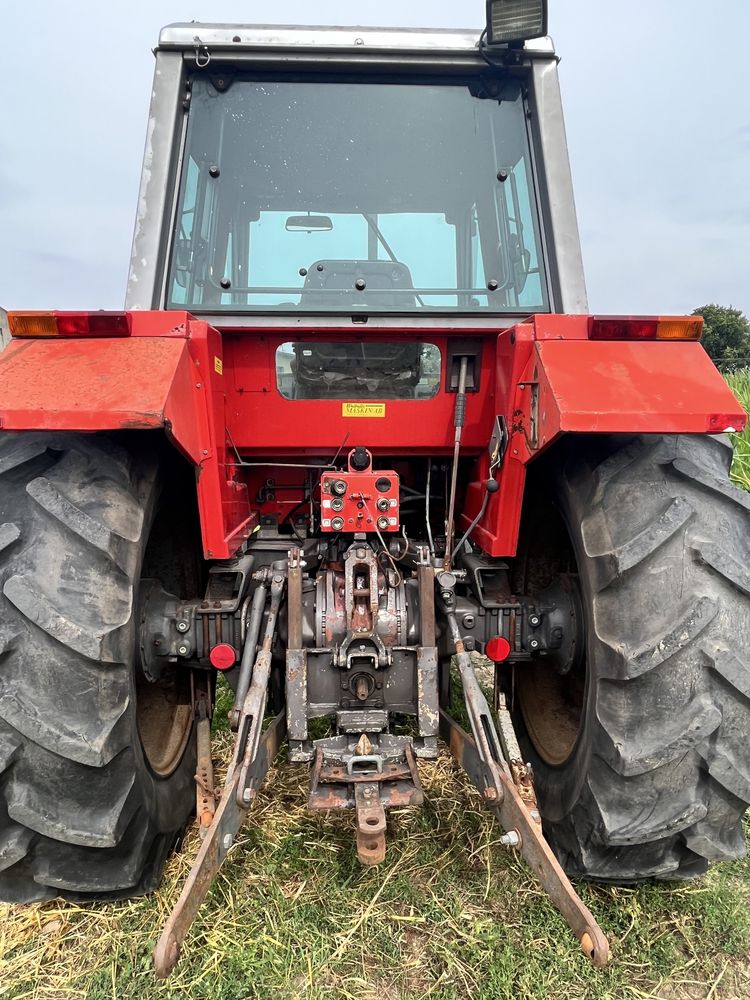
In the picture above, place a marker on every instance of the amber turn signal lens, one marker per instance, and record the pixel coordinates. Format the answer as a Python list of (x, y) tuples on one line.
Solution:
[(679, 329), (32, 324)]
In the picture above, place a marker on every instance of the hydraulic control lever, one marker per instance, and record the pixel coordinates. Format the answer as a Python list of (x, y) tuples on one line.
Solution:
[(508, 792), (253, 753)]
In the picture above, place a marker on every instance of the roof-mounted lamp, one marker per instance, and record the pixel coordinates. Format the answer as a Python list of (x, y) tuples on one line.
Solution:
[(512, 21)]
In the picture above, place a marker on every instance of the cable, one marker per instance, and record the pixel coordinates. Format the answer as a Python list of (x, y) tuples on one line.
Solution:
[(399, 578), (490, 487)]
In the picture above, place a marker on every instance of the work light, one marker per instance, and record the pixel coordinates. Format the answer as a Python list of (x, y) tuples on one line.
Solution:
[(515, 20)]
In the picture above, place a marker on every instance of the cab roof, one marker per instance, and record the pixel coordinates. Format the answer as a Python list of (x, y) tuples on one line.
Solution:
[(195, 35)]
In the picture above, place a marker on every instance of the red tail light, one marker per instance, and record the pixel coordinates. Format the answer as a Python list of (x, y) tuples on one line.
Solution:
[(69, 324), (497, 649), (645, 328), (222, 656)]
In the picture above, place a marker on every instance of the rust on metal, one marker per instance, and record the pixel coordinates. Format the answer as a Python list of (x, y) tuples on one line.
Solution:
[(524, 782), (253, 752), (370, 824), (396, 784), (481, 756), (204, 778), (227, 822), (513, 814)]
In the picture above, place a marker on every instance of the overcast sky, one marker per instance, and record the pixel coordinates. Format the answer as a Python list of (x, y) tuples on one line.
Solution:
[(657, 96)]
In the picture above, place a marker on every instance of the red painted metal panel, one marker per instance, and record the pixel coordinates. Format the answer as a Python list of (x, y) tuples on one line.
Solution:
[(613, 387), (87, 385), (216, 396), (226, 517), (137, 383), (262, 422), (497, 533)]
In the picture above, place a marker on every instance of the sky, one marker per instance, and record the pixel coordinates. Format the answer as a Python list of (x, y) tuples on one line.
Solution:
[(657, 99)]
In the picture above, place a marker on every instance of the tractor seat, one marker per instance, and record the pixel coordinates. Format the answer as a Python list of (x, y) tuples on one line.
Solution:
[(371, 284)]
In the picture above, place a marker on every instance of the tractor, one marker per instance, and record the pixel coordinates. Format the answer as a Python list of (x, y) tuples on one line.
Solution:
[(354, 433)]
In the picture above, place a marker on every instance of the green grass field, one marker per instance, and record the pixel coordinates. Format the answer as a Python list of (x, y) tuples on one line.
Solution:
[(450, 914), (740, 383)]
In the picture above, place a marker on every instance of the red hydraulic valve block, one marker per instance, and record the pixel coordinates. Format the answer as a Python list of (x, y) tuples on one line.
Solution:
[(359, 500)]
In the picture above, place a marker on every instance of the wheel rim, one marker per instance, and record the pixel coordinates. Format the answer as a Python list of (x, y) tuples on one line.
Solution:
[(552, 708), (164, 716), (552, 701)]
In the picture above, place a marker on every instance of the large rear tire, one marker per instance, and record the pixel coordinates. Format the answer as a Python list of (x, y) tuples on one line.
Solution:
[(642, 754), (97, 766)]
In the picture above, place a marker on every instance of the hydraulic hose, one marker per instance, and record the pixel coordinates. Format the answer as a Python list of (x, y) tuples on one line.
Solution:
[(458, 423)]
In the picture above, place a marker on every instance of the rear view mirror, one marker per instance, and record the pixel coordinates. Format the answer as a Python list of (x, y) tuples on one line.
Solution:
[(309, 224)]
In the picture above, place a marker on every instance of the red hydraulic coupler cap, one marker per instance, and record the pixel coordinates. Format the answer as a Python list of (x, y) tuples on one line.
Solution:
[(497, 649), (223, 656)]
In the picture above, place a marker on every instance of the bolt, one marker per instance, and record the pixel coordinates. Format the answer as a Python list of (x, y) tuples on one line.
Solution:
[(360, 284), (490, 794), (510, 839), (534, 620), (468, 621), (182, 626), (534, 813), (227, 841), (213, 170), (183, 650), (502, 176), (247, 796), (534, 644), (225, 283), (446, 595), (492, 285)]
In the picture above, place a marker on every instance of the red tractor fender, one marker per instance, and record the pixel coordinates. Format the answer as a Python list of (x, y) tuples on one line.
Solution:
[(549, 380), (556, 381), (167, 374)]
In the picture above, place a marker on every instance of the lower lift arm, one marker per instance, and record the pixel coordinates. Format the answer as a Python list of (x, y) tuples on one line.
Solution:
[(253, 753), (508, 793)]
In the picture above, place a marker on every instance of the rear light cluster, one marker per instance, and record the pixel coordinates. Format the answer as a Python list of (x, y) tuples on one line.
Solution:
[(69, 324), (645, 328)]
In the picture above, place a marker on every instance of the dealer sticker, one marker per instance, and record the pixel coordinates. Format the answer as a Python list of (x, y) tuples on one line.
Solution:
[(218, 366), (363, 409)]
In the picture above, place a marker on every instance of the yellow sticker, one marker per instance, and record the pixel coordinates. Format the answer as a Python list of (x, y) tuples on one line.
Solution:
[(363, 409), (218, 366)]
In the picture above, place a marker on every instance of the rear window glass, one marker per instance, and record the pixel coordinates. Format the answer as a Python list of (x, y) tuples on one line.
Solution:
[(358, 370)]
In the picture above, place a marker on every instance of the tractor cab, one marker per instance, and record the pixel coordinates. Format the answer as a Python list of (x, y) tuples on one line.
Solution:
[(355, 173)]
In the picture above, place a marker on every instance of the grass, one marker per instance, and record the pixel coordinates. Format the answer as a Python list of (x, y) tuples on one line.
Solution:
[(740, 384), (450, 915)]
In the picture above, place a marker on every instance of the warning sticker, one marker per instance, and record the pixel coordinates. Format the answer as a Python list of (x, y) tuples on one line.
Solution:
[(363, 409), (218, 366)]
